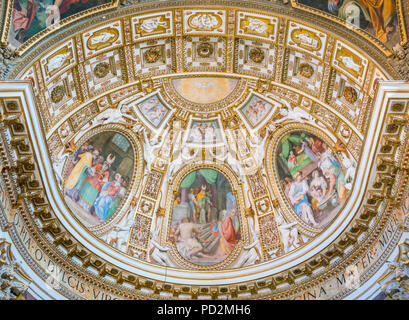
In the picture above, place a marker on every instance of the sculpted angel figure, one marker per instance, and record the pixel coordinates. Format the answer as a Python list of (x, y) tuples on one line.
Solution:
[(58, 165), (251, 253), (296, 114), (183, 157), (227, 156), (57, 61), (204, 21), (118, 236), (350, 63), (150, 25), (113, 115), (102, 38), (289, 233), (149, 147), (350, 166), (259, 149), (157, 253), (257, 25)]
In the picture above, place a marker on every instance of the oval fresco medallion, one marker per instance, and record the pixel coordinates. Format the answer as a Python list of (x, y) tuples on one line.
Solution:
[(205, 224), (312, 177), (98, 176)]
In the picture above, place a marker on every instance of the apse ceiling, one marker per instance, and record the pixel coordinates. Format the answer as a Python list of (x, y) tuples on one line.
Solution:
[(210, 149)]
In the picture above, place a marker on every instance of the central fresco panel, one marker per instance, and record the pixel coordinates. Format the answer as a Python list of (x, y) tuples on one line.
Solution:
[(205, 224)]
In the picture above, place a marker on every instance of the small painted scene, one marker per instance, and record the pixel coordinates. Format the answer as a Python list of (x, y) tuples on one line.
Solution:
[(377, 17), (312, 178), (205, 224), (204, 132), (29, 17), (256, 110), (98, 177), (153, 110)]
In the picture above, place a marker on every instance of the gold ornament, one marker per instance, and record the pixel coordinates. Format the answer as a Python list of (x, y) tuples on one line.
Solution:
[(306, 70), (350, 94), (152, 55), (256, 55), (101, 69), (205, 50), (57, 93)]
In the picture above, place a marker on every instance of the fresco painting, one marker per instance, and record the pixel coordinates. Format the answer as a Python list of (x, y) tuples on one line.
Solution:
[(204, 132), (205, 224), (153, 110), (30, 17), (98, 177), (377, 17), (256, 110), (312, 178)]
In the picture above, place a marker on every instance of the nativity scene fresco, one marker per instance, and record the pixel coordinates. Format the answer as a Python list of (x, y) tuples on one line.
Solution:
[(205, 224), (29, 17), (378, 17), (97, 178), (312, 178)]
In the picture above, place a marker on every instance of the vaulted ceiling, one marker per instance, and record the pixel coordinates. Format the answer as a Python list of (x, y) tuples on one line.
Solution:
[(223, 112)]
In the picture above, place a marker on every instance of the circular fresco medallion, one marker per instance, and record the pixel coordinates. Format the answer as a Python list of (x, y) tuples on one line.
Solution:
[(97, 178), (312, 177), (205, 225)]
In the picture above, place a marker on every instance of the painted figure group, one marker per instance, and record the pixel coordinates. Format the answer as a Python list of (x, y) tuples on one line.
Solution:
[(93, 184), (256, 111), (316, 183), (206, 224)]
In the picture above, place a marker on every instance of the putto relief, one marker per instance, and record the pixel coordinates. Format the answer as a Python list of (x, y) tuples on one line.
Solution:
[(205, 225), (98, 176), (312, 178)]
